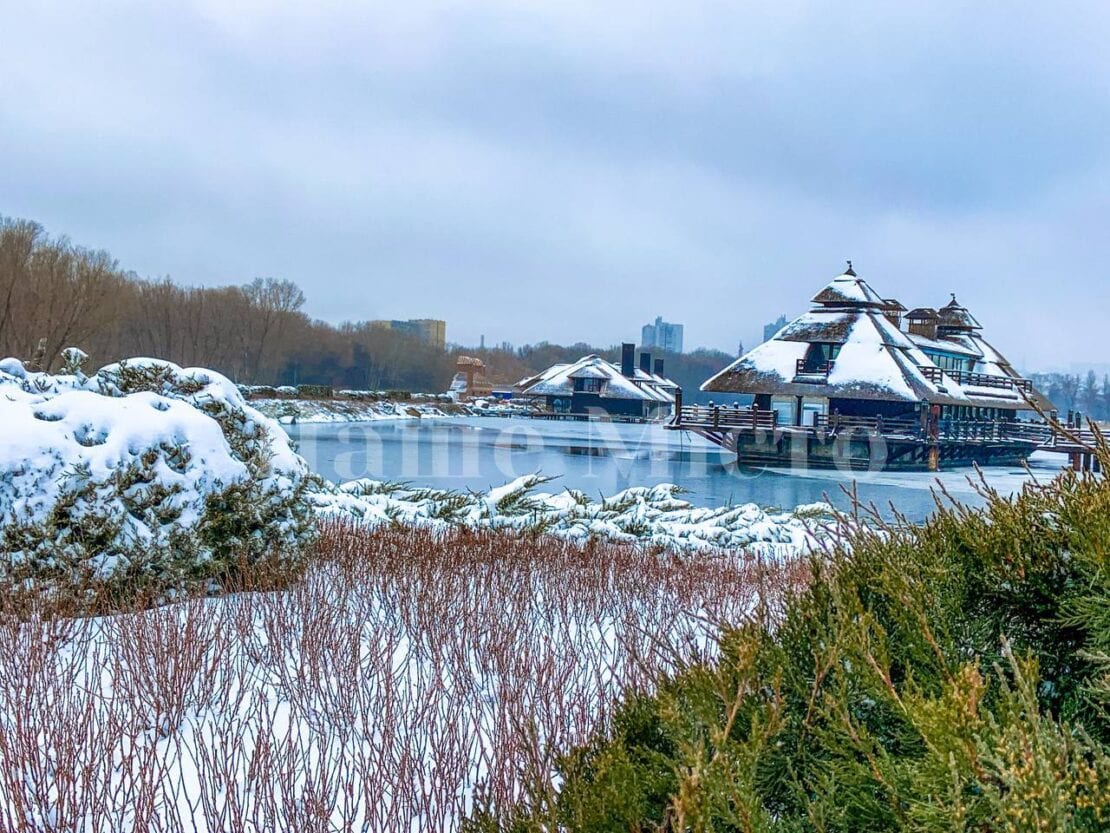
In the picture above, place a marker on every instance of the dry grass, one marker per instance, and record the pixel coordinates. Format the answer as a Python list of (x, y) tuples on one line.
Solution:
[(401, 677)]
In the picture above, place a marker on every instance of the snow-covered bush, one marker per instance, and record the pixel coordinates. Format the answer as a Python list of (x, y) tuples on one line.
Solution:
[(143, 471), (652, 516)]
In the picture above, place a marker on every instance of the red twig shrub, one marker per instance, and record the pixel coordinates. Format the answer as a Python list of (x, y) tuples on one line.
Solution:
[(402, 675)]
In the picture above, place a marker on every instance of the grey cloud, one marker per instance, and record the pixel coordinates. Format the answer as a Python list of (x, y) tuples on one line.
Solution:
[(552, 173)]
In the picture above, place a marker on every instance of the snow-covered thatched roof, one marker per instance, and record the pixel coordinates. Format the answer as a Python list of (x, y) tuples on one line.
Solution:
[(848, 290), (655, 380), (874, 359), (558, 380), (588, 371), (987, 362), (529, 381), (922, 314), (958, 346), (954, 316)]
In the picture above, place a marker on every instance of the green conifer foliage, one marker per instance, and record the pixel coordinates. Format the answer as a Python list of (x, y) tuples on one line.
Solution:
[(953, 676)]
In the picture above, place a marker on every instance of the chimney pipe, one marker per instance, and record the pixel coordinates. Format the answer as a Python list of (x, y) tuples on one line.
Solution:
[(658, 367), (628, 360), (645, 362)]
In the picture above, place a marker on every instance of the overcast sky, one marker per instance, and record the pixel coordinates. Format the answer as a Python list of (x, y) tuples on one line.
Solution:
[(566, 170)]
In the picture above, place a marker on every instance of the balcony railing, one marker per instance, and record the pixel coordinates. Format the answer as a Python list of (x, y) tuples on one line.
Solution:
[(881, 425), (724, 416), (733, 418), (933, 374), (984, 380), (803, 368), (981, 380), (997, 430)]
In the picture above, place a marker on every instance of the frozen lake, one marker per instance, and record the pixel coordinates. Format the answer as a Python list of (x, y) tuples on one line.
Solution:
[(603, 458)]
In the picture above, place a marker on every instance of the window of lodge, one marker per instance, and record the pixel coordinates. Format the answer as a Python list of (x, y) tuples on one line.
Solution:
[(588, 385), (819, 354), (947, 361)]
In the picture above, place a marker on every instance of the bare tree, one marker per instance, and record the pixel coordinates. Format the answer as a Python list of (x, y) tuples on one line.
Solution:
[(18, 239), (274, 303)]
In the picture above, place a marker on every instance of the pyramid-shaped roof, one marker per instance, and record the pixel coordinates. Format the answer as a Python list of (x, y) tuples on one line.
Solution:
[(922, 314), (848, 290), (558, 380), (955, 316), (875, 360), (871, 357)]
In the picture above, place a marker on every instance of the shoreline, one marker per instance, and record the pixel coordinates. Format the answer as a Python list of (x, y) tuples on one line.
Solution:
[(294, 411)]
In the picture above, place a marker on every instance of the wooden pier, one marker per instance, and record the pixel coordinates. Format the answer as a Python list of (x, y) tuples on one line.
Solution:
[(756, 436)]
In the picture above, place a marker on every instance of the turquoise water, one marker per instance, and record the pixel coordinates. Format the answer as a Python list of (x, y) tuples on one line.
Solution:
[(599, 458)]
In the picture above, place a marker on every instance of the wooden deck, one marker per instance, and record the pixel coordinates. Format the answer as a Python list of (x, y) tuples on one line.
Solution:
[(757, 435), (576, 417)]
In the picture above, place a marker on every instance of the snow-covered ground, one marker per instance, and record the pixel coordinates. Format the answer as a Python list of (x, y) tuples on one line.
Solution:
[(410, 674)]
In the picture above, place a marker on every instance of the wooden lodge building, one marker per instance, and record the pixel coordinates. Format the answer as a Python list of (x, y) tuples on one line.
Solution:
[(860, 381), (595, 386)]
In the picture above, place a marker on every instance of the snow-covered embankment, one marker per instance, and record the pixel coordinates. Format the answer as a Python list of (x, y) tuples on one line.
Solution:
[(152, 469)]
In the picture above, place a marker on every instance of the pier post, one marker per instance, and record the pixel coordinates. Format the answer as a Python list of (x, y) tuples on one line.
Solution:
[(799, 451), (934, 437)]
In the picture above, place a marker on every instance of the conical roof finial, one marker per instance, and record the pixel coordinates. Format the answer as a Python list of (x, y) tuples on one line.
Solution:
[(850, 270)]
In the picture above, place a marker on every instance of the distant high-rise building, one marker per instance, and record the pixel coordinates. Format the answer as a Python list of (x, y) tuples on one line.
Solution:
[(663, 335), (772, 328), (431, 330)]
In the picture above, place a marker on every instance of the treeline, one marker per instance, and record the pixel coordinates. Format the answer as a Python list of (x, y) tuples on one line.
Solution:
[(1087, 394), (56, 294)]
